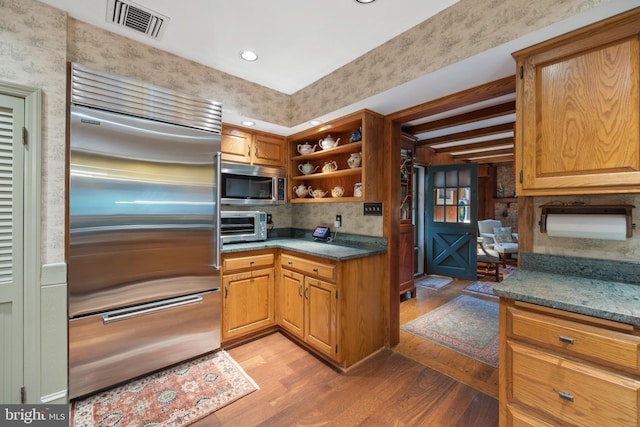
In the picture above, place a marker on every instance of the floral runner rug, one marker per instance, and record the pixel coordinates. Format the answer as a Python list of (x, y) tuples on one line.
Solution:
[(174, 397), (465, 324)]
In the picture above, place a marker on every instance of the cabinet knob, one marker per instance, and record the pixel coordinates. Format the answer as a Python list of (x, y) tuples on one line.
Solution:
[(315, 270), (290, 263)]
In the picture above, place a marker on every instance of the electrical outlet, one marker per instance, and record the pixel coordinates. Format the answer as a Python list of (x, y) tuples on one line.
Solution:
[(269, 219), (338, 222), (373, 209)]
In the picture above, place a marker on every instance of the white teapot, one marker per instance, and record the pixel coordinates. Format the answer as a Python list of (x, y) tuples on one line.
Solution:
[(328, 142), (330, 166), (307, 168), (354, 160), (306, 148), (318, 194), (337, 191), (301, 191)]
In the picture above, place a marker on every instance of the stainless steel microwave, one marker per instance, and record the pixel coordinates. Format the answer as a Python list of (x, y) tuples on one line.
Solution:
[(243, 226), (242, 184)]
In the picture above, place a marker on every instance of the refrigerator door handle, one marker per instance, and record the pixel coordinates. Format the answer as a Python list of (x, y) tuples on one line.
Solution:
[(128, 313), (217, 243)]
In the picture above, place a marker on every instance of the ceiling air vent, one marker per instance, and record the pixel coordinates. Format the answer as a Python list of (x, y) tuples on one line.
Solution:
[(131, 15)]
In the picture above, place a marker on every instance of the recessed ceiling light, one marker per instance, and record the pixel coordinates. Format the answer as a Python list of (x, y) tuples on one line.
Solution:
[(248, 123), (249, 55), (315, 122), (365, 1)]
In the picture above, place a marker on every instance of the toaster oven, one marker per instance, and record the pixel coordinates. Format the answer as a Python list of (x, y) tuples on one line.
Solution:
[(243, 226)]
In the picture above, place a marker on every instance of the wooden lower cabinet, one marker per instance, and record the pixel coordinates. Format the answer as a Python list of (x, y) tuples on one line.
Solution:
[(308, 310), (248, 294), (560, 368), (333, 307)]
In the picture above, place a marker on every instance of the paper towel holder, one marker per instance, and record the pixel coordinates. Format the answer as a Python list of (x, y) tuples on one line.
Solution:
[(587, 210)]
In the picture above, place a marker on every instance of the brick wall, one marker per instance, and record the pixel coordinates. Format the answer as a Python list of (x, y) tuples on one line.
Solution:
[(506, 177)]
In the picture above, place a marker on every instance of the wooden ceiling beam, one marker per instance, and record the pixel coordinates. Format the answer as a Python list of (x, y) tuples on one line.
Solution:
[(474, 146), (469, 134), (492, 160), (492, 153), (495, 89), (464, 118)]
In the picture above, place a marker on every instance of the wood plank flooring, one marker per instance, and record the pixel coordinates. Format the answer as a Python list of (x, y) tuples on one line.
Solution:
[(395, 387)]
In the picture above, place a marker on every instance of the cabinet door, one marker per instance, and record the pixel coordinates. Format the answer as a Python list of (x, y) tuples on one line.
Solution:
[(321, 316), (291, 303), (405, 258), (236, 145), (578, 128), (248, 302), (268, 151)]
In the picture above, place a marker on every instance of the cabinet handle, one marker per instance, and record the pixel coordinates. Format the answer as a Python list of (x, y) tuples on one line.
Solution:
[(300, 290), (290, 263), (306, 293), (248, 150), (565, 339), (226, 291), (315, 270), (566, 396), (251, 263)]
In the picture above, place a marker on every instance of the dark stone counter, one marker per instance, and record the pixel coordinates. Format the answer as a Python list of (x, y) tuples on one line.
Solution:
[(605, 289)]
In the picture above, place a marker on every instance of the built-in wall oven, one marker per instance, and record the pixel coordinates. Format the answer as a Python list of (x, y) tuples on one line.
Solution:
[(243, 226)]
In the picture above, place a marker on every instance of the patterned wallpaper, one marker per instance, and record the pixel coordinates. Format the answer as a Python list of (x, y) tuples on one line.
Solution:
[(37, 40), (465, 29), (33, 53)]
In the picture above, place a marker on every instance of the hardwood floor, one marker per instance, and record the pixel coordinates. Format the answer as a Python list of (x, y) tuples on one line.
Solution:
[(395, 387), (469, 371)]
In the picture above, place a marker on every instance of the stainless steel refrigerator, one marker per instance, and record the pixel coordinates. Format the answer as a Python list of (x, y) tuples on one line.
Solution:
[(143, 242)]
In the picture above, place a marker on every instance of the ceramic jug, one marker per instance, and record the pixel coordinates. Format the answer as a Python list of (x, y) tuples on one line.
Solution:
[(354, 160), (357, 190), (330, 166), (301, 191), (328, 142), (306, 148), (307, 168), (337, 191), (318, 194)]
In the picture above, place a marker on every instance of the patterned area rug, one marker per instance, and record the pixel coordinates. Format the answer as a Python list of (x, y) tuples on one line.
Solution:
[(485, 287), (432, 282), (465, 324), (175, 397)]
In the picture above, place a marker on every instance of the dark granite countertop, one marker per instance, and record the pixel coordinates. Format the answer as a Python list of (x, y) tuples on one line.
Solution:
[(344, 247), (566, 288)]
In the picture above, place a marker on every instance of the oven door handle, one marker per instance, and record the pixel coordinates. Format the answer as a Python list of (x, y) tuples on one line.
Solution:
[(128, 313)]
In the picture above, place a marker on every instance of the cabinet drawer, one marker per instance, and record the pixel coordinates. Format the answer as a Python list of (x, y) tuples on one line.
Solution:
[(313, 268), (572, 392), (247, 262), (518, 418), (575, 339)]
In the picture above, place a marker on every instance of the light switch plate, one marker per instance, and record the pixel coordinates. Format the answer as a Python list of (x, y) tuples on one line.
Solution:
[(373, 209)]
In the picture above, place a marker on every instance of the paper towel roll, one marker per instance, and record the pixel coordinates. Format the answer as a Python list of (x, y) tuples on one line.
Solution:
[(594, 226)]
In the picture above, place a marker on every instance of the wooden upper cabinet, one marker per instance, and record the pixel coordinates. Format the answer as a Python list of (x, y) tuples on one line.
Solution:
[(578, 111), (242, 145), (268, 150)]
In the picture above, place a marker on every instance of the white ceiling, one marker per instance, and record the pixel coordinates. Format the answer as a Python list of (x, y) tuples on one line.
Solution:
[(298, 42)]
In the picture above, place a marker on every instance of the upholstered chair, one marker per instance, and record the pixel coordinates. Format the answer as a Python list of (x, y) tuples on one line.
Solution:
[(500, 238)]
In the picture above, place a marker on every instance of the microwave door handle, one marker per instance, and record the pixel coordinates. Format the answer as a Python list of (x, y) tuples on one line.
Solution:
[(217, 231)]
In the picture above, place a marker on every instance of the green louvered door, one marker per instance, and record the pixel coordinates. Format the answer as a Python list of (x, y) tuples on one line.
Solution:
[(11, 260)]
